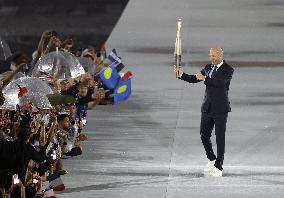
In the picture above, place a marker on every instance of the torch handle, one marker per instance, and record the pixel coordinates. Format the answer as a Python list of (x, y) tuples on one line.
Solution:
[(178, 64)]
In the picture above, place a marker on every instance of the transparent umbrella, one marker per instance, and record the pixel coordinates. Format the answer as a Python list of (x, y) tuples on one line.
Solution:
[(87, 64), (39, 100), (5, 74), (59, 65), (35, 88), (5, 51)]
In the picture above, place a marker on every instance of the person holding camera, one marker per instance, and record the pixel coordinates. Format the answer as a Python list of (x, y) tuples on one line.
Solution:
[(15, 155)]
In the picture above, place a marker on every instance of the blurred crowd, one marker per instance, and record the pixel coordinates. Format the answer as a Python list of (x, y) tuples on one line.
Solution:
[(33, 140)]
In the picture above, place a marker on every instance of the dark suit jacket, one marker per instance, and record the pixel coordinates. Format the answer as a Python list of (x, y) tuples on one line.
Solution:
[(216, 98)]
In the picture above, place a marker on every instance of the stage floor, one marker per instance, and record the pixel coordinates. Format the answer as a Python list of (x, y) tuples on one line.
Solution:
[(149, 146)]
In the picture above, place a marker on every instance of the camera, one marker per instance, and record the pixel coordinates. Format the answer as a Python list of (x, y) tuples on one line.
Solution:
[(34, 177), (84, 122), (35, 181), (16, 179), (53, 154), (25, 68), (36, 142)]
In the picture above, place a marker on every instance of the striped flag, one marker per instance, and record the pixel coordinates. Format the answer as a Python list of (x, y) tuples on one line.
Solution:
[(48, 192), (55, 182), (119, 67), (127, 75), (113, 56)]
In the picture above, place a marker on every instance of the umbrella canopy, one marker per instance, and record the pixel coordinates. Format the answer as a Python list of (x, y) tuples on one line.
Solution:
[(39, 100), (87, 64), (34, 87), (5, 74), (5, 51), (58, 64)]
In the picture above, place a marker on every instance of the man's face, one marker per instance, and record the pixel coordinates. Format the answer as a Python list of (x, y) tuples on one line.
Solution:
[(89, 57), (83, 91), (64, 85), (68, 47), (215, 56), (72, 110), (66, 123)]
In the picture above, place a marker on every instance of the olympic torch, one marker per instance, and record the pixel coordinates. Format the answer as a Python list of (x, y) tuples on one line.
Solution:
[(178, 51)]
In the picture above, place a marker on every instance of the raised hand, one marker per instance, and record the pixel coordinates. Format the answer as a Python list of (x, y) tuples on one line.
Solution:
[(199, 76), (99, 94), (177, 70), (46, 34)]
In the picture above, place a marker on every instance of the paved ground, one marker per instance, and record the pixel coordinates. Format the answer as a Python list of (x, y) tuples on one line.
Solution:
[(149, 146)]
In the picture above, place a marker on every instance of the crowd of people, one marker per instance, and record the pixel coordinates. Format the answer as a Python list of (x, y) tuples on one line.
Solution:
[(34, 140)]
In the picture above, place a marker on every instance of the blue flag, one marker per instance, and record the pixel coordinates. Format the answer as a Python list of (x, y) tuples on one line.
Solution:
[(122, 91), (109, 76), (113, 57)]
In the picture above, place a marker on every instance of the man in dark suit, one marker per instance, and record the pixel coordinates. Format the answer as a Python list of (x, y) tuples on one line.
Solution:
[(215, 107)]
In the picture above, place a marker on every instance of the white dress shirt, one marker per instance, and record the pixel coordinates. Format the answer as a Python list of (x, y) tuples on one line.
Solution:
[(219, 65)]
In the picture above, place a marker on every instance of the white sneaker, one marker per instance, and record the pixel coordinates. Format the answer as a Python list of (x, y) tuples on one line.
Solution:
[(209, 166), (215, 172)]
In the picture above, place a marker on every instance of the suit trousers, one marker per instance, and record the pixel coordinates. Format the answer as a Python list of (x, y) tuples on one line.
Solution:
[(208, 121)]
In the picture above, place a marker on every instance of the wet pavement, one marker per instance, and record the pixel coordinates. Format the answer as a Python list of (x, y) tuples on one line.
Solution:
[(149, 146)]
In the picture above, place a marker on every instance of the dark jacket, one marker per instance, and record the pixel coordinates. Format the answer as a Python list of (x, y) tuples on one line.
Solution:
[(72, 91), (216, 98), (16, 155)]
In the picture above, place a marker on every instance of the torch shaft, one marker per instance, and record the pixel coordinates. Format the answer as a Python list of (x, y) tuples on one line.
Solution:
[(178, 50)]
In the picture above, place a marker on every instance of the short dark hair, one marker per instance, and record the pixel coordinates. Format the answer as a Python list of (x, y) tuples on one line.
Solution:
[(61, 117), (25, 121), (18, 57), (24, 133), (83, 84)]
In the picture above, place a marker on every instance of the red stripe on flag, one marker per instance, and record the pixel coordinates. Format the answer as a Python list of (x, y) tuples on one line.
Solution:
[(127, 75), (60, 187)]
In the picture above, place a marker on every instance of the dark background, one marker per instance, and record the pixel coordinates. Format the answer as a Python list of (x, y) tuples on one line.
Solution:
[(87, 22)]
